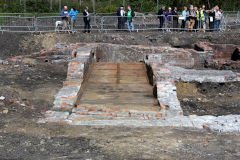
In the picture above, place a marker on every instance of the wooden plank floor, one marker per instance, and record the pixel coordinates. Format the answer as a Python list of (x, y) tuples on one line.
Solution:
[(119, 86)]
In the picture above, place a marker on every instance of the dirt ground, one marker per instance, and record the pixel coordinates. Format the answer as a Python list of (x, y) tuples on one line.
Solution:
[(13, 44), (29, 90), (209, 98)]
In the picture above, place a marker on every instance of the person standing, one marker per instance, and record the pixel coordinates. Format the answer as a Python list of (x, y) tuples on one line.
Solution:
[(119, 17), (73, 14), (175, 18), (86, 20), (169, 19), (192, 16), (204, 14), (184, 15), (218, 16), (161, 16), (122, 13), (211, 19), (197, 19), (130, 15), (64, 15)]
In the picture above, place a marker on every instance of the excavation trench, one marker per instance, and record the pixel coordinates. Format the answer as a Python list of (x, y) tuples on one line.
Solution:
[(119, 87)]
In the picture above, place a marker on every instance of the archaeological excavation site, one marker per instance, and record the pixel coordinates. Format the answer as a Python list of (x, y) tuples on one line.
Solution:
[(148, 95)]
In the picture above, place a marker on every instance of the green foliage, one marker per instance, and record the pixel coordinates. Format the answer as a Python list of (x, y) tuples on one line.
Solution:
[(41, 6), (107, 9)]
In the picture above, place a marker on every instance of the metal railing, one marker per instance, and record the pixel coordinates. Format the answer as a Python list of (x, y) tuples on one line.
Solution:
[(24, 23)]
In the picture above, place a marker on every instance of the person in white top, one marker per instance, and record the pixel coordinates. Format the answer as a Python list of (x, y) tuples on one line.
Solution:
[(218, 17), (122, 14)]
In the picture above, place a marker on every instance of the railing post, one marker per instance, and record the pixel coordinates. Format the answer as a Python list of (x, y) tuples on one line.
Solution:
[(102, 22), (35, 24), (71, 25)]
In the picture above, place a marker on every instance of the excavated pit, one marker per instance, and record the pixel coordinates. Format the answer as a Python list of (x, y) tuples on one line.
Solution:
[(209, 98), (118, 80), (119, 87)]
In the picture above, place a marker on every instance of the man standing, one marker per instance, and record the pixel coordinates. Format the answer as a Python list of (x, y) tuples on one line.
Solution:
[(192, 16), (119, 17), (122, 14), (197, 22), (175, 18), (161, 16), (130, 15), (86, 20), (64, 14)]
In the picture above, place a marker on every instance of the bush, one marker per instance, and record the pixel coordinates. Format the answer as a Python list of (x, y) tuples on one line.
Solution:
[(107, 9)]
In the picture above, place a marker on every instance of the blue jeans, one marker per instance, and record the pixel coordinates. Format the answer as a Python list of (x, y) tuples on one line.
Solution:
[(130, 25), (216, 25)]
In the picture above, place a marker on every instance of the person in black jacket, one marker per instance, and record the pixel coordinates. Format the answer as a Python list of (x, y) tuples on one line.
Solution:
[(119, 17), (211, 20), (175, 18), (86, 20), (161, 16)]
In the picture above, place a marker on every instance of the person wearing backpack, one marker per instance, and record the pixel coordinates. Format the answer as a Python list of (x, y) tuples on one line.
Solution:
[(130, 15)]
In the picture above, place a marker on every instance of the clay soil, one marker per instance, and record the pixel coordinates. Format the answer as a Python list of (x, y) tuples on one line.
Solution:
[(29, 90)]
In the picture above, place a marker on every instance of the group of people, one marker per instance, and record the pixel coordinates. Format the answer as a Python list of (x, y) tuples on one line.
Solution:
[(193, 19), (73, 15), (124, 17)]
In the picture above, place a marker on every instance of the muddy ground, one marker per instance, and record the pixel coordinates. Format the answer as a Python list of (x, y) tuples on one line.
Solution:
[(12, 44), (209, 98), (29, 90)]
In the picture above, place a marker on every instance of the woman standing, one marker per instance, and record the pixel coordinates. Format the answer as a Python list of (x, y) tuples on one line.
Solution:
[(73, 14), (86, 20), (184, 18), (169, 19)]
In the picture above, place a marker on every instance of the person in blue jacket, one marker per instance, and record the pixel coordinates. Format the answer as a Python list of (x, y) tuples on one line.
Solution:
[(73, 14), (65, 15)]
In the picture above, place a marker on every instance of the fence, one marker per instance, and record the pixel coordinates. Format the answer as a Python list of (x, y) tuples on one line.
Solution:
[(26, 23)]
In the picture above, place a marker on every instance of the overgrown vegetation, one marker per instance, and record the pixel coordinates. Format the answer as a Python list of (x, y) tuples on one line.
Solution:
[(106, 6)]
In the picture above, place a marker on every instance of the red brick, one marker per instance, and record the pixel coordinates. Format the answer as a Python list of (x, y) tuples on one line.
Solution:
[(163, 106), (159, 115), (205, 126), (64, 104)]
